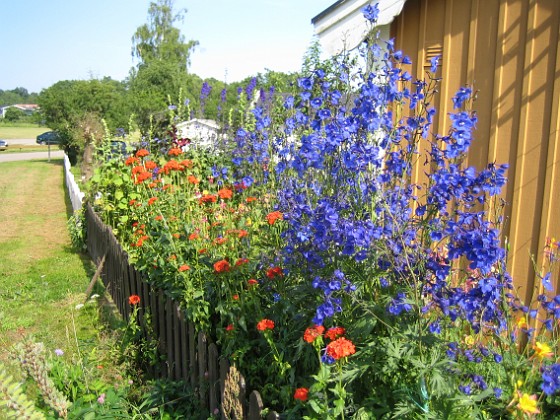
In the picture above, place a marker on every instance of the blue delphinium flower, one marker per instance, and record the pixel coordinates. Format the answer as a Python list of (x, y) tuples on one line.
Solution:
[(551, 379), (370, 12)]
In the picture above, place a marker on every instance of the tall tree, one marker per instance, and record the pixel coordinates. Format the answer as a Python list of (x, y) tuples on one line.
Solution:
[(160, 40)]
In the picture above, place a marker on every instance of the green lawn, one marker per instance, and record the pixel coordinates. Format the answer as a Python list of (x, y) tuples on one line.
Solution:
[(27, 131)]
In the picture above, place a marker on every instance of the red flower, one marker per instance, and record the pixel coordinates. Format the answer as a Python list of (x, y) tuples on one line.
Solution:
[(241, 261), (184, 267), (193, 179), (273, 272), (339, 348), (250, 199), (274, 216), (134, 299), (335, 332), (141, 153), (230, 327), (265, 324), (187, 163), (159, 217), (301, 394), (193, 236), (312, 333), (221, 266), (235, 297), (208, 198), (152, 201)]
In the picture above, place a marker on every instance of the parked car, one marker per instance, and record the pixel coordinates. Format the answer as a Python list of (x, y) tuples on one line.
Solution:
[(3, 145), (49, 137)]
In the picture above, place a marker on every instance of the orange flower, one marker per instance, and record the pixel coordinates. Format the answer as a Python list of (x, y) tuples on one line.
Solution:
[(184, 267), (172, 165), (187, 163), (301, 394), (242, 233), (176, 235), (131, 160), (193, 236), (225, 193), (241, 261), (250, 199), (265, 324), (274, 216), (193, 180), (312, 333), (134, 299), (141, 153), (335, 332), (235, 297), (174, 151), (273, 272), (339, 348), (159, 217), (208, 198), (150, 164), (252, 282), (221, 266), (152, 201), (220, 241)]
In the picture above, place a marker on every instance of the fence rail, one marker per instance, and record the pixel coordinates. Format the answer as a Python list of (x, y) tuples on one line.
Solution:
[(188, 355)]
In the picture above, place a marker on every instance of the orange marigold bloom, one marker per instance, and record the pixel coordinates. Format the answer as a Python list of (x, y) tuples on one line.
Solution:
[(335, 332), (134, 299), (172, 165), (312, 333), (274, 216), (193, 236), (250, 199), (225, 193), (273, 272), (221, 266), (152, 201), (141, 177), (150, 164), (265, 324), (339, 348), (141, 153), (131, 160), (184, 267), (242, 233), (193, 180), (138, 169), (187, 163), (301, 394), (159, 217), (202, 251), (174, 151)]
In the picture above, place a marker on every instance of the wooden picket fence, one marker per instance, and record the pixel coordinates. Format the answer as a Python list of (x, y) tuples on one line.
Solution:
[(188, 355)]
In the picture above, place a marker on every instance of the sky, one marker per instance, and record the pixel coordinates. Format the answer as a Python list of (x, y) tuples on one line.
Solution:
[(46, 41)]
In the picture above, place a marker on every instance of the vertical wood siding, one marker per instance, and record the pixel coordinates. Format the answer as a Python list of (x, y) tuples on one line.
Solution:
[(507, 50)]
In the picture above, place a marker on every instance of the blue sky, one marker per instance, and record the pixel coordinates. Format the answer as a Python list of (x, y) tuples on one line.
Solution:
[(45, 41)]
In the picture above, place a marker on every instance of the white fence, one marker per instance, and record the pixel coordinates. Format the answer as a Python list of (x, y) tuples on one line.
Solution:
[(74, 192)]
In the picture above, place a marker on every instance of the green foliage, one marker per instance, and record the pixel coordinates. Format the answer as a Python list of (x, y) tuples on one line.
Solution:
[(13, 114), (77, 229), (18, 95), (15, 404)]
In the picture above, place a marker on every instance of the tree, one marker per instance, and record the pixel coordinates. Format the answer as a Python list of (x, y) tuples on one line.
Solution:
[(159, 40), (13, 114)]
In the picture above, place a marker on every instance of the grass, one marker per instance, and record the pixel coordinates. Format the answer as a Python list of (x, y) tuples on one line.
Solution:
[(43, 276), (21, 131)]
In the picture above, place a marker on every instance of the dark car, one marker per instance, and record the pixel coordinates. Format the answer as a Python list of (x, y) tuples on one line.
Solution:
[(49, 137), (3, 145)]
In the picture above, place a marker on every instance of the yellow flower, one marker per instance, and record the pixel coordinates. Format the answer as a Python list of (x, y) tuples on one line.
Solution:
[(542, 350), (528, 404), (469, 340), (522, 323)]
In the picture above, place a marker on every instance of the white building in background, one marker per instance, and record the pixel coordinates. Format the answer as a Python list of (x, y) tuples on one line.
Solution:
[(201, 133), (342, 26)]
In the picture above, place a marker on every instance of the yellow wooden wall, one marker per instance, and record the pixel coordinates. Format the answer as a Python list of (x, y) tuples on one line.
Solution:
[(509, 51)]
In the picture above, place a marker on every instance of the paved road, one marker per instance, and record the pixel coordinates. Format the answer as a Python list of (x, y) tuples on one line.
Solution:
[(13, 144)]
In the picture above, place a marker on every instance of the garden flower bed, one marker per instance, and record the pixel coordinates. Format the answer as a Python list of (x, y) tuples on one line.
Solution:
[(336, 285)]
